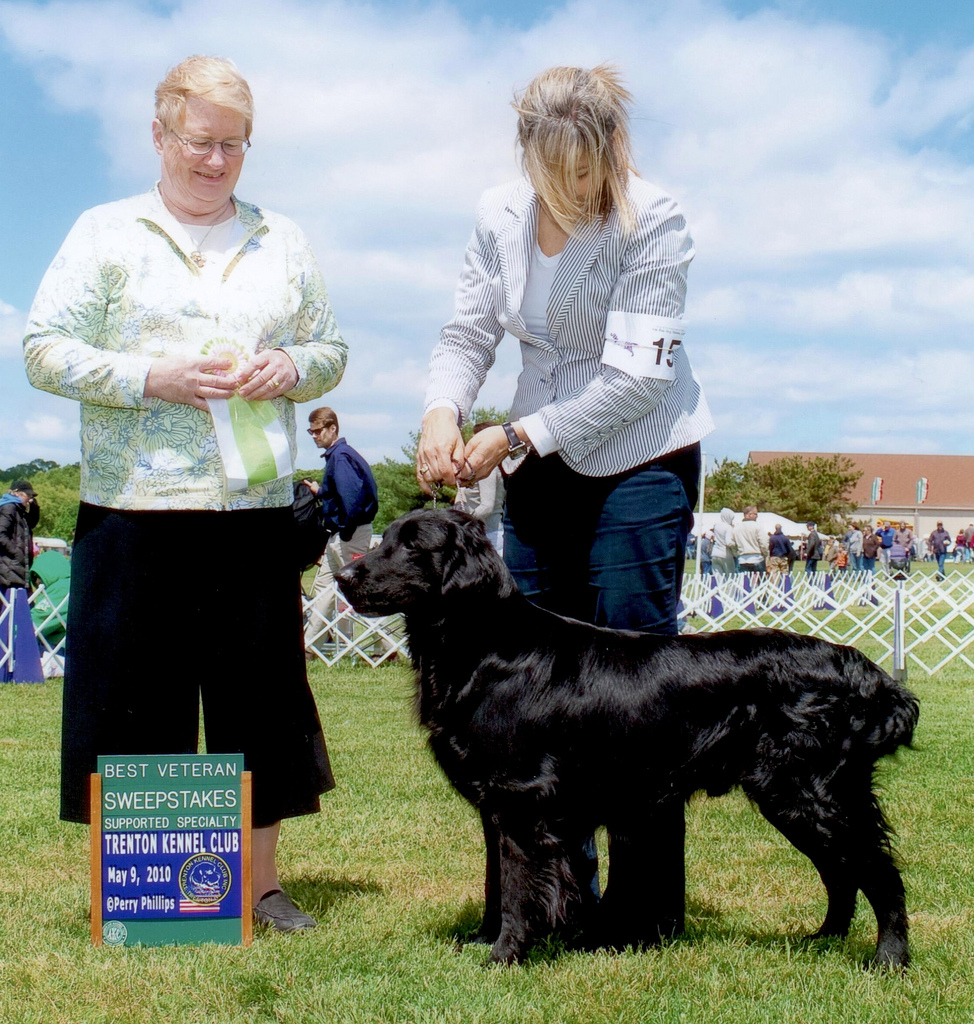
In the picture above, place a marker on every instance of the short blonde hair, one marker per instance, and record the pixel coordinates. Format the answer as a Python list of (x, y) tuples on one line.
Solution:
[(572, 117), (214, 79)]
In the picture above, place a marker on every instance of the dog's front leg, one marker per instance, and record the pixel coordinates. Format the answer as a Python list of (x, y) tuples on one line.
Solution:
[(537, 891), (645, 892), (491, 925)]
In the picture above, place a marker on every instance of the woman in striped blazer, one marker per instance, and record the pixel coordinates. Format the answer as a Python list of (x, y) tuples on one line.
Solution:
[(585, 264)]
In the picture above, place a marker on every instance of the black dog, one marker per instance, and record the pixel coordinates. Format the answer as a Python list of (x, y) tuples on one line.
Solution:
[(551, 727)]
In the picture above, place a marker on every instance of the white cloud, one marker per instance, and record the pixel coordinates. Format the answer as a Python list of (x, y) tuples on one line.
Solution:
[(813, 161), (916, 302), (12, 322), (49, 428), (408, 378)]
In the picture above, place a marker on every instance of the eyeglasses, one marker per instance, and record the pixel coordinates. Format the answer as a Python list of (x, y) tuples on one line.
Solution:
[(200, 147), (314, 431)]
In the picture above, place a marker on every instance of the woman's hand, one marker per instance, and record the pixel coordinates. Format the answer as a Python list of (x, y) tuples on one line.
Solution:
[(189, 381), (439, 456), (485, 450), (269, 374)]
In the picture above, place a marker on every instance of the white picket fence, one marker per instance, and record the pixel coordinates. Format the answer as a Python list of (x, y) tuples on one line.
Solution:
[(334, 632), (849, 608), (937, 616), (52, 656)]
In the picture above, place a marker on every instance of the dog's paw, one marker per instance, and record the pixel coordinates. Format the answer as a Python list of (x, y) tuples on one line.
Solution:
[(506, 952), (891, 956)]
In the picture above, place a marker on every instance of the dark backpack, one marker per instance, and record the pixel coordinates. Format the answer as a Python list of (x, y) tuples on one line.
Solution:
[(310, 534)]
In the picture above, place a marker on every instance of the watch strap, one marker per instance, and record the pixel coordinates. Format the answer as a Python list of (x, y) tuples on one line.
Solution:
[(515, 446)]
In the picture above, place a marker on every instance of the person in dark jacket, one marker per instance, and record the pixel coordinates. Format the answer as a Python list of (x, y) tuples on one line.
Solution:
[(939, 543), (349, 503), (780, 550), (886, 535), (813, 548), (19, 513), (872, 544)]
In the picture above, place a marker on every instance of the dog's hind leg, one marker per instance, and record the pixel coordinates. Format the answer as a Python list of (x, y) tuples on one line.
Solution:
[(837, 877), (845, 835), (882, 885)]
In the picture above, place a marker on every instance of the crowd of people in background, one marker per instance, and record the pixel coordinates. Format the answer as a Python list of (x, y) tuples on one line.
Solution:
[(891, 547)]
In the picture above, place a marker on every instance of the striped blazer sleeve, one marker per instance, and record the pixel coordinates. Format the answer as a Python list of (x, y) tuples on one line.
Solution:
[(468, 343)]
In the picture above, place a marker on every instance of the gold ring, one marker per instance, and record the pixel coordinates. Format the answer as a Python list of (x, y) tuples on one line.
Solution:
[(424, 468), (275, 383)]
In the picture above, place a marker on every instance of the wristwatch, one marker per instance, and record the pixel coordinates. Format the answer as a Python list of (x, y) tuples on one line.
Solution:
[(516, 448)]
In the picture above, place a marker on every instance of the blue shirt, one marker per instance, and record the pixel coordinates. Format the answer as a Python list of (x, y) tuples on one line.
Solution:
[(779, 545), (349, 497)]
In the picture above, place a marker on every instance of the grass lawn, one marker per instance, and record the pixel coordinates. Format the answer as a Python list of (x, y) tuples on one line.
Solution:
[(392, 869)]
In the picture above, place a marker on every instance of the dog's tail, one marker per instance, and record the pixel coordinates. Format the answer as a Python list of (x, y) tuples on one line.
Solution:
[(888, 712)]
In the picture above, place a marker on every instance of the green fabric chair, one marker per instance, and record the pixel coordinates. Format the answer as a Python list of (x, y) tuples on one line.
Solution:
[(50, 605)]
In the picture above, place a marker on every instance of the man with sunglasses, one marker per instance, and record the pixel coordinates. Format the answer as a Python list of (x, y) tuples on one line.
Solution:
[(349, 501)]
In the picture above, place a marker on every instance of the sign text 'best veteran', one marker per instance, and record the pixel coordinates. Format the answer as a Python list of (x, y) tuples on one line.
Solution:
[(170, 849)]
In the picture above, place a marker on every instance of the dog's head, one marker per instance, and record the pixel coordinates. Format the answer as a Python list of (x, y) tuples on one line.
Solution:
[(425, 558)]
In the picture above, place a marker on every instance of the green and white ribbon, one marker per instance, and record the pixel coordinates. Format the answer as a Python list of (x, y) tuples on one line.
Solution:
[(253, 445)]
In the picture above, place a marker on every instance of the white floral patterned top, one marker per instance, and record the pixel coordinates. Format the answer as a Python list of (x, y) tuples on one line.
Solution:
[(120, 292)]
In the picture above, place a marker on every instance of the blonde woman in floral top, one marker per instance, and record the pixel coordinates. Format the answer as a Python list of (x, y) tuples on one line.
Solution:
[(174, 317)]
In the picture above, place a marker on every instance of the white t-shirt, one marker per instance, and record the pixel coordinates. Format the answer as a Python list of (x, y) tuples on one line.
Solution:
[(534, 306), (217, 243)]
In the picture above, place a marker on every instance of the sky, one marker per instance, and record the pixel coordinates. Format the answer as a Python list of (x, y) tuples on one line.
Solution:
[(822, 152)]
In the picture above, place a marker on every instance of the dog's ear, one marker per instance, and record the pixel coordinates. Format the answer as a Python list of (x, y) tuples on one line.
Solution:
[(470, 561)]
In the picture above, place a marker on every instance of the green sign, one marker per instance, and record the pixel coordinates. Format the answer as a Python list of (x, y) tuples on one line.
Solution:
[(170, 850)]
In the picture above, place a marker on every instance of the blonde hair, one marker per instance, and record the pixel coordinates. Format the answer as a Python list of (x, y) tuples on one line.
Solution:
[(214, 79), (571, 119)]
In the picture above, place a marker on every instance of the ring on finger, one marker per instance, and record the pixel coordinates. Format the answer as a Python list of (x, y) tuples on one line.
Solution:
[(275, 383)]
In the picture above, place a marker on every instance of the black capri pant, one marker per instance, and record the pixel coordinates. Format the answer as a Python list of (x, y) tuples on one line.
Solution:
[(168, 608)]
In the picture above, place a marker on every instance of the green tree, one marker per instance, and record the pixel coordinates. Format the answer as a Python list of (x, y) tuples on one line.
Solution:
[(27, 470), (800, 487), (399, 492), (483, 414)]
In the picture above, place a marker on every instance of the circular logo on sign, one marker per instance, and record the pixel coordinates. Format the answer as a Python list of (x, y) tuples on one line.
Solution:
[(114, 933), (205, 878)]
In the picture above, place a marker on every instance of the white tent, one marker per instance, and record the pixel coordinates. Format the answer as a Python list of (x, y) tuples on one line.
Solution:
[(51, 544), (767, 521)]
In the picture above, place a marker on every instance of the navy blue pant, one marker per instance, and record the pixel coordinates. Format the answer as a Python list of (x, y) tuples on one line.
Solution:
[(607, 550), (611, 551)]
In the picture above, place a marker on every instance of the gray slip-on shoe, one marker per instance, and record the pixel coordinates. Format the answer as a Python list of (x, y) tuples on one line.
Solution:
[(278, 912)]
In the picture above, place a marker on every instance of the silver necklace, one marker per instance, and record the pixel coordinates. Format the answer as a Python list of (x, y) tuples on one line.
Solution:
[(196, 255)]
